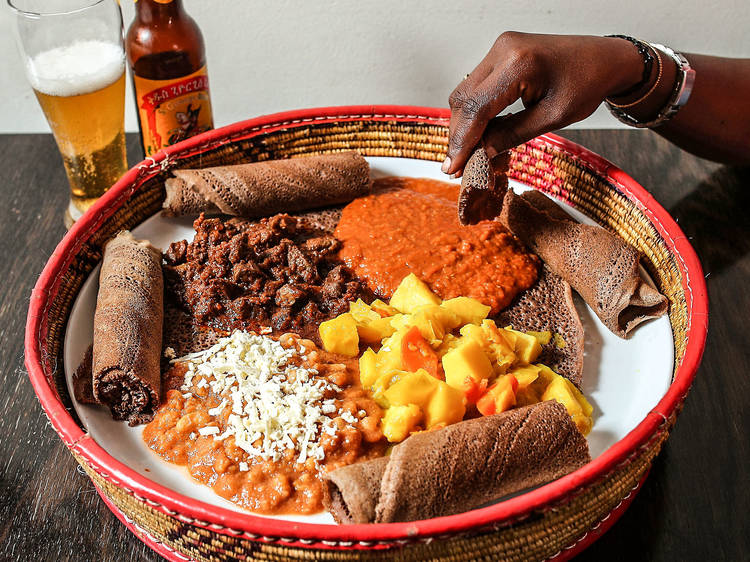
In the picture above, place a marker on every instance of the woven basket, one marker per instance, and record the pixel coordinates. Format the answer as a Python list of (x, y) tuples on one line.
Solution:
[(554, 521)]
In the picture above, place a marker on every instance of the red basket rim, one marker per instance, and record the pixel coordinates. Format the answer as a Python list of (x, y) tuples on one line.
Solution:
[(331, 536)]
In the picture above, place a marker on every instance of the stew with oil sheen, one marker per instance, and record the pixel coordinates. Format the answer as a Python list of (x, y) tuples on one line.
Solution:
[(410, 225)]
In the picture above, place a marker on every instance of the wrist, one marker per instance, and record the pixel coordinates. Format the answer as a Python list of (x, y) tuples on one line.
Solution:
[(628, 65)]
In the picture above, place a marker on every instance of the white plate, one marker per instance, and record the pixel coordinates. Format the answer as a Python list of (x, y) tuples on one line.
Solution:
[(623, 379)]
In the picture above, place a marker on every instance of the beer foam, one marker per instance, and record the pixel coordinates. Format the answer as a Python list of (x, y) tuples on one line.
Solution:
[(78, 68)]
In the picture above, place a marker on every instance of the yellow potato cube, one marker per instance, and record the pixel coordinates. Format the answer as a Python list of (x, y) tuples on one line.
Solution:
[(499, 337), (474, 332), (443, 320), (425, 327), (362, 313), (525, 375), (339, 335), (412, 293), (546, 376), (432, 321), (560, 391), (400, 420), (468, 310), (368, 369), (382, 383), (389, 355), (446, 406), (412, 388), (527, 348), (468, 359), (375, 330)]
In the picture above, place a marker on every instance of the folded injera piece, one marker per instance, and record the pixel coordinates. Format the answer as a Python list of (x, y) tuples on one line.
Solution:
[(483, 186), (128, 329), (599, 265), (548, 306), (460, 467), (264, 188)]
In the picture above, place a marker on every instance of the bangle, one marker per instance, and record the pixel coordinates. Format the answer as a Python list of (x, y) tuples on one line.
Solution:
[(650, 91), (680, 93), (644, 49)]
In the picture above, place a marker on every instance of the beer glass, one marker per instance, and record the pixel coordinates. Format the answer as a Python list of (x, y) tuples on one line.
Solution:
[(75, 62)]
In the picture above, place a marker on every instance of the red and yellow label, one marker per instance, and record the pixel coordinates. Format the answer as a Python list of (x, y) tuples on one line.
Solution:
[(173, 110)]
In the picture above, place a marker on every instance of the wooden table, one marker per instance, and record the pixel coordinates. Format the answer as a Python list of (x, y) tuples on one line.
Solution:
[(693, 506)]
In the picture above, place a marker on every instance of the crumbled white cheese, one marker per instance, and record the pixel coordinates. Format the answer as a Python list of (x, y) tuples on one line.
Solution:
[(244, 467), (276, 405), (192, 435), (187, 395), (209, 430), (219, 409), (170, 353)]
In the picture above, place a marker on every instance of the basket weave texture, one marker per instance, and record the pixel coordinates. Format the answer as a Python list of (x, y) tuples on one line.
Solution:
[(547, 532)]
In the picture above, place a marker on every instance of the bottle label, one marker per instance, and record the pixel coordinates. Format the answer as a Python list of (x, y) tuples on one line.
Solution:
[(172, 110)]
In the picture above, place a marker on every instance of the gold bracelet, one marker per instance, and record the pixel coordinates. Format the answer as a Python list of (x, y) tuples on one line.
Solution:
[(650, 91)]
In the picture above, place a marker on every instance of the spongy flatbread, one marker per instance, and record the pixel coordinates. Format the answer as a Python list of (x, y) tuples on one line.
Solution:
[(264, 188), (548, 306), (600, 266), (483, 187), (460, 467), (128, 329)]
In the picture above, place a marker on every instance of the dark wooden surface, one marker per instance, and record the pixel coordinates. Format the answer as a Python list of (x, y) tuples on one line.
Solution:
[(694, 505)]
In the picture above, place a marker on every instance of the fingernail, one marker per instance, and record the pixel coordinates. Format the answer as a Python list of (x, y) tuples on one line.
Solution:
[(446, 165)]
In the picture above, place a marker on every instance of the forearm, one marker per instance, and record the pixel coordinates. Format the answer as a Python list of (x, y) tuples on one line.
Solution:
[(715, 123)]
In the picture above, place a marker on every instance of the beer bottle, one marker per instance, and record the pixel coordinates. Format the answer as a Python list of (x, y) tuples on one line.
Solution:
[(168, 62)]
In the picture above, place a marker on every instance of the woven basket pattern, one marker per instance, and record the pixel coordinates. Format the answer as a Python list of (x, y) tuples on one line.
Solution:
[(537, 536)]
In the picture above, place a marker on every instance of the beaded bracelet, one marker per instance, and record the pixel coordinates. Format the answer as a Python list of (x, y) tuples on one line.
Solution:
[(648, 63)]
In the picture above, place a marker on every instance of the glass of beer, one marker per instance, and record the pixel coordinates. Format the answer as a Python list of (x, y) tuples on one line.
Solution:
[(75, 62)]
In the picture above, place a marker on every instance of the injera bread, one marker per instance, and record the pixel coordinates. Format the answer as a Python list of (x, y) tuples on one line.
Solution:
[(483, 186), (128, 329), (264, 188), (548, 306), (460, 467), (599, 265), (83, 388)]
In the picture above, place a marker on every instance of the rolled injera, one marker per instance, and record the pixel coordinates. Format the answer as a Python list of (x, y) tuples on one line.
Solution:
[(599, 265), (264, 188), (128, 329), (460, 467)]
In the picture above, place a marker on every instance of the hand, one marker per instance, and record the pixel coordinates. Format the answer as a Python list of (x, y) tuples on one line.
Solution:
[(560, 79)]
